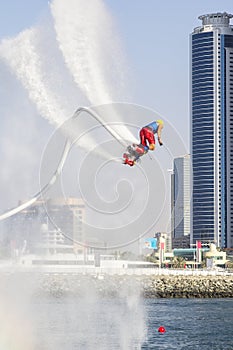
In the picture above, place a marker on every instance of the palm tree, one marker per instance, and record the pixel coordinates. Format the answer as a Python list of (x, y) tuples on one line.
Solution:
[(229, 264), (151, 258), (178, 262)]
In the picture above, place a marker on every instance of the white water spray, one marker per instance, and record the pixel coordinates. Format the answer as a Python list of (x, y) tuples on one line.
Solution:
[(25, 60), (90, 52), (89, 43), (99, 77)]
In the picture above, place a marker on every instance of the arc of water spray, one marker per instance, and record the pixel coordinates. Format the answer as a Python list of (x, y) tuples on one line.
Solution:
[(25, 58), (61, 163)]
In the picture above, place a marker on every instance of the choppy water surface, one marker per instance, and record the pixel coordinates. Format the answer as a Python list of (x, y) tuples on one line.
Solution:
[(114, 324), (125, 321), (205, 324)]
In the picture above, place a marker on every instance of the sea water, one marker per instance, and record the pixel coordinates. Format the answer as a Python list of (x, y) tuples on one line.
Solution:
[(124, 320), (191, 324), (205, 324)]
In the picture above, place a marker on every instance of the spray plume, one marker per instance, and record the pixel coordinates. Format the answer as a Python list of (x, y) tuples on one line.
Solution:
[(88, 41), (22, 55), (26, 58), (90, 54)]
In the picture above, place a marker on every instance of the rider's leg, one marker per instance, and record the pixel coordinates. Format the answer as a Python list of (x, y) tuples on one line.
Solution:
[(142, 136), (150, 138)]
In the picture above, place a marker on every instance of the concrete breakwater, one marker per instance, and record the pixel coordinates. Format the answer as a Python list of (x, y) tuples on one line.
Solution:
[(171, 286)]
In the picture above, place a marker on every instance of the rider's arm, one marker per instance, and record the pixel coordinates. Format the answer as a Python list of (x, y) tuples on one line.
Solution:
[(160, 127)]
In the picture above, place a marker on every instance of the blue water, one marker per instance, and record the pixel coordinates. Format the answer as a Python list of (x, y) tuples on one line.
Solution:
[(31, 320), (190, 324)]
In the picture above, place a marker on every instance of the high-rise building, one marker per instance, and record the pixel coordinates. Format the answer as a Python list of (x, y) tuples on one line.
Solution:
[(67, 214), (181, 197), (60, 225), (212, 130)]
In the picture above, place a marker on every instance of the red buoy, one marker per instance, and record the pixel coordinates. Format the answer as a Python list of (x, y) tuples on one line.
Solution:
[(161, 329)]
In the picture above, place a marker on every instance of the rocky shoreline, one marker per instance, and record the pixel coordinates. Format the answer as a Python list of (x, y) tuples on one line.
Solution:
[(153, 286), (189, 287)]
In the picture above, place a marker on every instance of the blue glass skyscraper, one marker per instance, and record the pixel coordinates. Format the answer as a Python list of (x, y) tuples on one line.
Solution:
[(212, 130), (181, 197)]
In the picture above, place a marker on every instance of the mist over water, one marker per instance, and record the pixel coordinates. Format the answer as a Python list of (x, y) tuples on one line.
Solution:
[(35, 315)]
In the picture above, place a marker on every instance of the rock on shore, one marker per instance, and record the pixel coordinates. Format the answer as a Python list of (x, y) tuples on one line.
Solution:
[(153, 286), (188, 287)]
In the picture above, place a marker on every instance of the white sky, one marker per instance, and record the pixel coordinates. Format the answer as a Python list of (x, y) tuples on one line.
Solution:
[(154, 40), (155, 37)]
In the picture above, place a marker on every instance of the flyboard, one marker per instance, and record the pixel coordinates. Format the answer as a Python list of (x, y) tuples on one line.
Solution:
[(61, 163), (133, 153)]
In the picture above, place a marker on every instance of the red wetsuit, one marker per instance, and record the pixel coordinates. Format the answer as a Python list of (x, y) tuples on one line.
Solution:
[(147, 135)]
